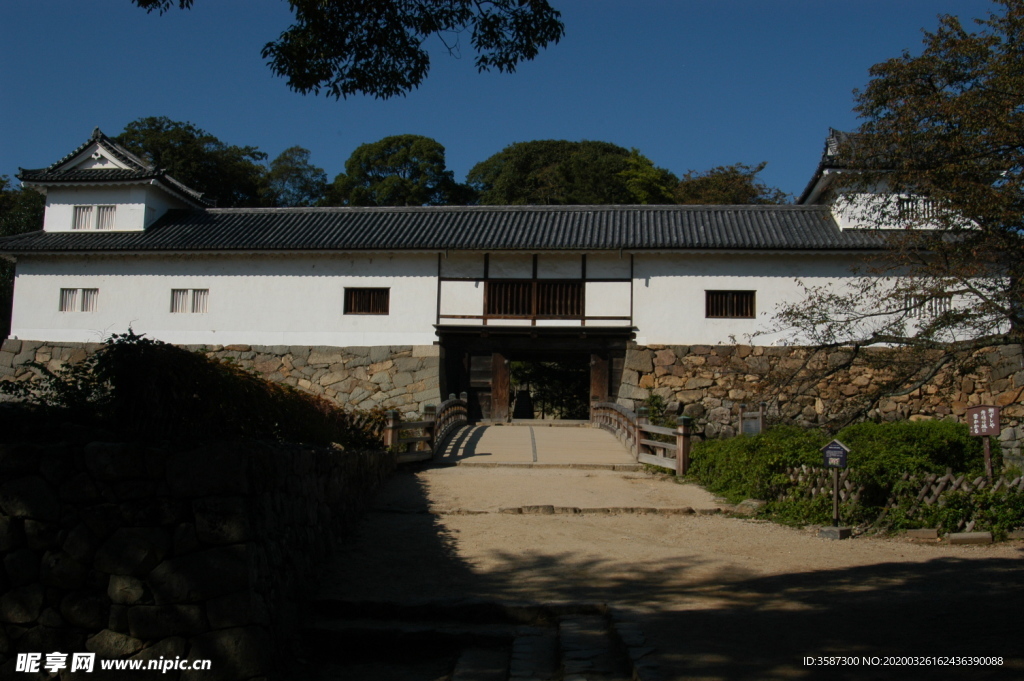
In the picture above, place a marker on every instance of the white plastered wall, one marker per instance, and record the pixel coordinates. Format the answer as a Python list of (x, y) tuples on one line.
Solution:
[(138, 206), (669, 292), (257, 300)]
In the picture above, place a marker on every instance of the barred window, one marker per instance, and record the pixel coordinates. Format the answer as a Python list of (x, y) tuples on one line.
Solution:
[(105, 217), (508, 298), (917, 209), (83, 217), (79, 299), (94, 217), (729, 305), (68, 299), (536, 298), (190, 300), (929, 307), (367, 301)]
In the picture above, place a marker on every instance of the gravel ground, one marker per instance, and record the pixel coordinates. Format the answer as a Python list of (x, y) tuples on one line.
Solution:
[(720, 597)]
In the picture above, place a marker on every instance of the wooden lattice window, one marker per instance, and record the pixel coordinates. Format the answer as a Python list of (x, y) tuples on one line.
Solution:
[(367, 300), (535, 298), (729, 305)]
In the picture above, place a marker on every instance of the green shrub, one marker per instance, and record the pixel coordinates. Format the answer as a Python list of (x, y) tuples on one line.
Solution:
[(144, 387), (754, 467), (880, 453)]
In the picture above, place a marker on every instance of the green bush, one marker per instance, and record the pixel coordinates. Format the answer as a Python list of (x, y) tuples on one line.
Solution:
[(144, 387), (880, 453)]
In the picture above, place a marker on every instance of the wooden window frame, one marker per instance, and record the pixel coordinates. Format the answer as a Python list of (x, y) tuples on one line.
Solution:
[(190, 300), (367, 300), (534, 299), (729, 304), (95, 212), (79, 300)]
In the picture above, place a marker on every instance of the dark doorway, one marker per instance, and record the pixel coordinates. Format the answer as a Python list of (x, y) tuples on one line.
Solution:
[(560, 370)]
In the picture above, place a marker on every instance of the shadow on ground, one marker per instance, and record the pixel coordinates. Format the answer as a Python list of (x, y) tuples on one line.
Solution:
[(712, 623)]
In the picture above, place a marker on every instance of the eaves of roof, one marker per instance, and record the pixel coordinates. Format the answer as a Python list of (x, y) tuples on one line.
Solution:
[(478, 228)]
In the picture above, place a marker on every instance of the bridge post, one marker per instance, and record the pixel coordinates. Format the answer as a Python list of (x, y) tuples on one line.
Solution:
[(430, 414), (683, 444), (641, 420), (391, 428)]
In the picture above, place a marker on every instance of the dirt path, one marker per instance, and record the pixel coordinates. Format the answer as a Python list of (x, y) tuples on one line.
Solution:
[(720, 597)]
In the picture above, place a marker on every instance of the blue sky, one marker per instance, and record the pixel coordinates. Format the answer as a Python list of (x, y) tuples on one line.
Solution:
[(692, 84)]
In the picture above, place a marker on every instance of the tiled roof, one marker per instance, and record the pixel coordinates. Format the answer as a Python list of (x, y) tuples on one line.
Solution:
[(138, 170), (469, 228)]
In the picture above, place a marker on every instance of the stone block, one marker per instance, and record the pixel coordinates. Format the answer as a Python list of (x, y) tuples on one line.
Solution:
[(22, 605), (29, 497), (749, 507), (114, 461), (697, 383), (132, 551), (639, 360), (149, 622), (664, 358), (85, 610), (835, 533), (40, 536), (58, 569), (426, 351), (239, 653), (125, 590), (11, 534), (379, 353), (970, 538), (11, 345), (110, 644), (81, 543), (201, 575), (221, 520), (22, 567)]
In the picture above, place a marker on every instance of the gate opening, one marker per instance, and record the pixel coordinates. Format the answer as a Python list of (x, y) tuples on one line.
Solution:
[(532, 373)]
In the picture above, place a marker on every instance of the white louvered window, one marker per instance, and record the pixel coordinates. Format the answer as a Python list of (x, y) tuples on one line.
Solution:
[(94, 217), (90, 299), (83, 217), (79, 299), (68, 299), (200, 297), (179, 300), (195, 300), (105, 217)]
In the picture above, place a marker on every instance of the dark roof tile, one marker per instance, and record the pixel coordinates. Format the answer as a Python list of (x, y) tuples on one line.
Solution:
[(470, 228)]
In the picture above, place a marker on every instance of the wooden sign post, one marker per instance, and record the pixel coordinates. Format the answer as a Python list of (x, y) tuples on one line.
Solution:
[(984, 421), (835, 458)]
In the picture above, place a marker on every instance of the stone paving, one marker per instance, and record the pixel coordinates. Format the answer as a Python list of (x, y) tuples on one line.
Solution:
[(539, 445)]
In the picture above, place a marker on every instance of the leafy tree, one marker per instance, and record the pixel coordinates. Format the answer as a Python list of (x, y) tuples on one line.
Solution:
[(294, 181), (375, 47), (560, 172), (21, 210), (736, 184), (401, 170), (232, 176), (941, 133), (645, 182)]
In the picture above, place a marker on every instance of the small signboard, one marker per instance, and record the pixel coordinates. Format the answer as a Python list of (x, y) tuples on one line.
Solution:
[(835, 454), (983, 420)]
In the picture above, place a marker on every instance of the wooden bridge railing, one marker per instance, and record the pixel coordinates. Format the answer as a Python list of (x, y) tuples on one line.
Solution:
[(436, 426), (633, 430)]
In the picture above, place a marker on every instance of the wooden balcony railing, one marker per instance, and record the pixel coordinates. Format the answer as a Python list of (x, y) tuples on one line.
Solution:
[(634, 432)]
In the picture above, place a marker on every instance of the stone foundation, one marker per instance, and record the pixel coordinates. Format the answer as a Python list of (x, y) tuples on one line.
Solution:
[(401, 377), (710, 382), (137, 551)]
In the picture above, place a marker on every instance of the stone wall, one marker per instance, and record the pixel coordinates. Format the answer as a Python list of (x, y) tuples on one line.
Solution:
[(401, 377), (137, 551), (710, 382)]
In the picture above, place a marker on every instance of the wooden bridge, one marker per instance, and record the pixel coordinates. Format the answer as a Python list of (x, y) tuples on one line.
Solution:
[(614, 437)]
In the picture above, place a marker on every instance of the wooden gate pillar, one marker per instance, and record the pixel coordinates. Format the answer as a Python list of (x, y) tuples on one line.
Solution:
[(499, 387), (598, 379)]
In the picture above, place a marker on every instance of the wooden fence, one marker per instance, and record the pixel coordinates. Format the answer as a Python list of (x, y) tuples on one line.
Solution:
[(420, 440), (812, 481), (637, 435)]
